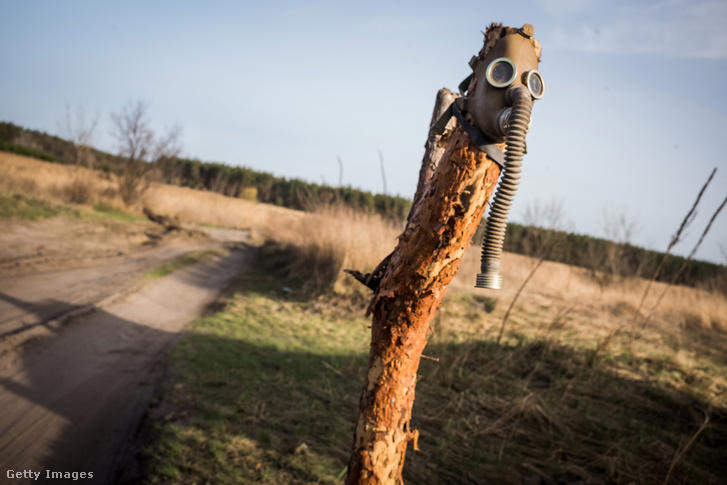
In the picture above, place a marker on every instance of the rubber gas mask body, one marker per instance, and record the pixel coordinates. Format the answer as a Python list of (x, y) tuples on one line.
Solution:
[(512, 63)]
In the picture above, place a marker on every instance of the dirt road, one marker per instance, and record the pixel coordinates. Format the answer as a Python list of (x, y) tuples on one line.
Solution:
[(70, 401)]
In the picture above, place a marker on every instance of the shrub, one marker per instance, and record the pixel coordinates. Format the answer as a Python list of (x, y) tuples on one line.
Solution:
[(132, 182), (78, 191)]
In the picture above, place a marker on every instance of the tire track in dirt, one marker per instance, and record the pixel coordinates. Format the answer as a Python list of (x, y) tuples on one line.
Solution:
[(70, 402), (36, 304)]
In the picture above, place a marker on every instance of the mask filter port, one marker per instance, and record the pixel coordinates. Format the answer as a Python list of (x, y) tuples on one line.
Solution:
[(503, 119)]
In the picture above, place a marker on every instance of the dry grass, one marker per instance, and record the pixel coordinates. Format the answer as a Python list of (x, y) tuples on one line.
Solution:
[(564, 285), (202, 207), (55, 182), (314, 247), (331, 239), (563, 304)]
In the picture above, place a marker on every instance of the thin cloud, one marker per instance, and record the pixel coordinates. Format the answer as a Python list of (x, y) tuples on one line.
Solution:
[(677, 28)]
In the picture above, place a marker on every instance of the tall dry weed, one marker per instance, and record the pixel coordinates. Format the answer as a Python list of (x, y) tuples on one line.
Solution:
[(332, 238)]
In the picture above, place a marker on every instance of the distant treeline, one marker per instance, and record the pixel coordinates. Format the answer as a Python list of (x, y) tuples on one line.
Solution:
[(14, 139), (292, 193), (610, 258), (32, 143), (593, 253)]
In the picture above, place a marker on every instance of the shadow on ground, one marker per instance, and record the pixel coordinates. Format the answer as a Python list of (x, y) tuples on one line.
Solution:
[(44, 311), (67, 404), (237, 410)]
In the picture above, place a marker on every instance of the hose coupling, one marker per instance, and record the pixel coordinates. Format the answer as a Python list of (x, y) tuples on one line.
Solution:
[(490, 278)]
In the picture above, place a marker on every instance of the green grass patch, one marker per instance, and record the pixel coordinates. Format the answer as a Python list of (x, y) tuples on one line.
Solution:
[(182, 261), (28, 208), (266, 391), (104, 210)]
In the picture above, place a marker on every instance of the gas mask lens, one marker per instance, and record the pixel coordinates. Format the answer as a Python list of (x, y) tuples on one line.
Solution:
[(534, 82), (501, 72)]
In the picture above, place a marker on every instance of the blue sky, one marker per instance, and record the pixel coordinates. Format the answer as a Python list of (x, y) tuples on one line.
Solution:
[(633, 118)]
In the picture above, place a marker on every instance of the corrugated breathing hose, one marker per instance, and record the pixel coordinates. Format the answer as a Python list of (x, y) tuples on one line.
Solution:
[(517, 128)]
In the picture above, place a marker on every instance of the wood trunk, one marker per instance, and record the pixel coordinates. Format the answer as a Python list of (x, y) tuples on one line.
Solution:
[(433, 149), (441, 226)]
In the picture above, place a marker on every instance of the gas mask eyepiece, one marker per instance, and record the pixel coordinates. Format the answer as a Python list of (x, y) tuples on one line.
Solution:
[(501, 72), (534, 81)]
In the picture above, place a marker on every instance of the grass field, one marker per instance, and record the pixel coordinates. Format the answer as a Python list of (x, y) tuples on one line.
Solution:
[(584, 387), (266, 390), (28, 208)]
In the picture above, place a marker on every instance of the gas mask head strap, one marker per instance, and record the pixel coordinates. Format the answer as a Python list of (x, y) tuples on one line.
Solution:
[(465, 84), (481, 140)]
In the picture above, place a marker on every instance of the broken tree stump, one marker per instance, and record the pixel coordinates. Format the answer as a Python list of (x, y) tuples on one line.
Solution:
[(418, 272)]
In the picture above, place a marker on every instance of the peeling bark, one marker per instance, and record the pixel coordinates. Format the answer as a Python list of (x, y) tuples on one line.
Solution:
[(441, 226)]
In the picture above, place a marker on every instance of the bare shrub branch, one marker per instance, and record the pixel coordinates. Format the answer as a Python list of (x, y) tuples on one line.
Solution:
[(688, 259), (140, 147), (608, 264), (383, 171), (680, 453), (676, 237), (80, 129), (168, 145)]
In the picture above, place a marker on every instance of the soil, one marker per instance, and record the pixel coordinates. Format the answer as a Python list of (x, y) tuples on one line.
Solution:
[(83, 334)]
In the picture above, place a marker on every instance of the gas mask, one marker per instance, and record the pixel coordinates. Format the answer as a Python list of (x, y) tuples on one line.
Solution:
[(509, 66), (496, 109)]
